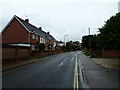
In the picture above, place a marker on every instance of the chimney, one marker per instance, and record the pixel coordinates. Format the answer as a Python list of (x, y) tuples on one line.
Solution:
[(40, 28), (27, 20), (48, 33), (32, 31)]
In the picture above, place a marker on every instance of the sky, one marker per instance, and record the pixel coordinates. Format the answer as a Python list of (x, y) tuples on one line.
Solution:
[(61, 17)]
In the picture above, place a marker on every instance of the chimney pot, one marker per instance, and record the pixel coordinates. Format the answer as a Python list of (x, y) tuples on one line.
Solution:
[(40, 28), (27, 20), (48, 33)]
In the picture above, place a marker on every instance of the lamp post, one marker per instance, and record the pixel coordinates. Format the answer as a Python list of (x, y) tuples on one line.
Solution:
[(64, 39)]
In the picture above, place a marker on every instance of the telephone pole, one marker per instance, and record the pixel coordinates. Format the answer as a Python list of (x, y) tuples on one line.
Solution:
[(89, 38), (64, 39)]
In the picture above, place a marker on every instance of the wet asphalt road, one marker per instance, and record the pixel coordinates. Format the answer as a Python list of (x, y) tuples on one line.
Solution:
[(56, 71)]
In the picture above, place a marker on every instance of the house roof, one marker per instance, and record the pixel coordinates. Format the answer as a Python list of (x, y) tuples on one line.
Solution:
[(30, 28), (36, 30), (61, 42)]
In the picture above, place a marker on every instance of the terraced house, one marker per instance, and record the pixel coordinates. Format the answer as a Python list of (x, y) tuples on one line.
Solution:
[(21, 32)]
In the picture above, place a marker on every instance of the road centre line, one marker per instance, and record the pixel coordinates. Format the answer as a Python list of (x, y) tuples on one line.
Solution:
[(65, 59), (62, 62)]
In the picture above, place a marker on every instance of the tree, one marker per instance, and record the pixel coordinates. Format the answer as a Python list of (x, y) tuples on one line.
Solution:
[(41, 46), (109, 37), (93, 42), (85, 41), (68, 46)]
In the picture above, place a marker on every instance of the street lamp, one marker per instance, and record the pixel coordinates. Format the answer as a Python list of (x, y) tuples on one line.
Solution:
[(64, 39)]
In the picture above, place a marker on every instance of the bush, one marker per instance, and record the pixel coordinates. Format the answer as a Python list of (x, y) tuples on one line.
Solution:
[(41, 46)]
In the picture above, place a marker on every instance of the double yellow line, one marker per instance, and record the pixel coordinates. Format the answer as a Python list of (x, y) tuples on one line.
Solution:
[(76, 85)]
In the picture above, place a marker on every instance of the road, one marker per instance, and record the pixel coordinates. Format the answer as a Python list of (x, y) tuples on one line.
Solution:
[(64, 70), (56, 71)]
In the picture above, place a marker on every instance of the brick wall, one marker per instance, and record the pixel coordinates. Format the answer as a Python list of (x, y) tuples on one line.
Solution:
[(15, 33), (110, 53)]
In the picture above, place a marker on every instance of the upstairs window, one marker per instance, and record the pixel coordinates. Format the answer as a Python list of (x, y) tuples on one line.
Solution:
[(36, 37), (33, 36), (40, 39), (44, 40)]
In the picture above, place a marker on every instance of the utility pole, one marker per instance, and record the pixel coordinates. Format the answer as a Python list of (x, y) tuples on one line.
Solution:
[(64, 39), (89, 38)]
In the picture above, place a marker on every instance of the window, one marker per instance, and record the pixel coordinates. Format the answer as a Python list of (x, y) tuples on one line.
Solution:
[(44, 40), (33, 47), (33, 36), (36, 37), (40, 39)]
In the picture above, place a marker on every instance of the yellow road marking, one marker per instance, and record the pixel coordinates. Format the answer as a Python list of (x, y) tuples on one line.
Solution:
[(76, 75)]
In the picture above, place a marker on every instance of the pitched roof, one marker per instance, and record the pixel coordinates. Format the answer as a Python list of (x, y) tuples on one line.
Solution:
[(37, 31), (30, 28), (61, 42)]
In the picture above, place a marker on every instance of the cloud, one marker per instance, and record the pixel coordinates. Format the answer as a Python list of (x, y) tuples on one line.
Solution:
[(72, 17)]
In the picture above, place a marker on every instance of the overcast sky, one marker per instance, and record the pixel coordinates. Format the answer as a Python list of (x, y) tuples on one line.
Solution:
[(61, 17)]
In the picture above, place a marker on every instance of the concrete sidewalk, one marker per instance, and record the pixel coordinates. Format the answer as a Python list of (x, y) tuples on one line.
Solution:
[(108, 63), (97, 75)]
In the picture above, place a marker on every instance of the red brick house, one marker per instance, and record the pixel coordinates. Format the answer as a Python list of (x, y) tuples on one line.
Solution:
[(19, 31)]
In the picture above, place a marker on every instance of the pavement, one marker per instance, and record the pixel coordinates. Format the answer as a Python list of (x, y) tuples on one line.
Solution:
[(97, 73), (108, 63)]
